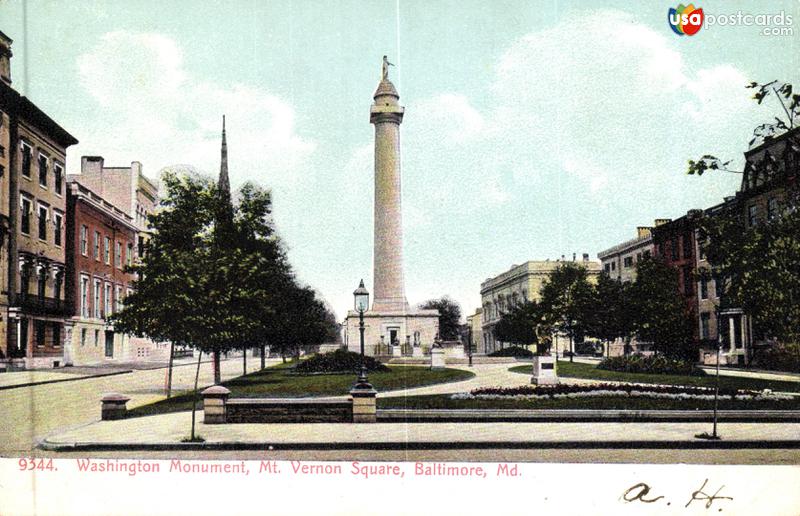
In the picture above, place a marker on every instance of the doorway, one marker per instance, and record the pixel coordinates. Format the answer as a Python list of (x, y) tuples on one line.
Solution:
[(109, 344)]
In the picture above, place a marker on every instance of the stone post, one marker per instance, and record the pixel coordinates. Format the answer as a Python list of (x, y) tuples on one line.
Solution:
[(215, 400), (437, 358), (364, 404), (113, 406), (544, 370)]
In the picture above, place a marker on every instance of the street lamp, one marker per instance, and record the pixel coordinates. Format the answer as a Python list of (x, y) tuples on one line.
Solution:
[(361, 298)]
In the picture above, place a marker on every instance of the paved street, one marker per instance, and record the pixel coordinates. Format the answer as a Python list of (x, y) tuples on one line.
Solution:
[(31, 412)]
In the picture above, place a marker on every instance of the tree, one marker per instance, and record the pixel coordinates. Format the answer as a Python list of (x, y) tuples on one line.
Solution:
[(566, 298), (197, 285), (449, 316), (661, 313), (524, 325), (754, 267), (612, 315), (790, 107)]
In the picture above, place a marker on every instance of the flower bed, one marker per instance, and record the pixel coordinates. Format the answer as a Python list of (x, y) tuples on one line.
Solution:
[(607, 389)]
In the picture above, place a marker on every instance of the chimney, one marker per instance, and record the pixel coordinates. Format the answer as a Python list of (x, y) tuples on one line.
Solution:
[(573, 257), (5, 58), (643, 231), (585, 257), (659, 222)]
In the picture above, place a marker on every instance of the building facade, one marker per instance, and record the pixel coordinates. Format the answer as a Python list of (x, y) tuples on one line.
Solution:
[(475, 332), (100, 244), (619, 262), (519, 284), (33, 223)]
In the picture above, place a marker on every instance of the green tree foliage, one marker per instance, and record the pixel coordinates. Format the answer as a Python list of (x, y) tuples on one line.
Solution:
[(449, 316), (756, 267), (524, 325), (217, 282), (567, 301), (613, 315), (661, 313)]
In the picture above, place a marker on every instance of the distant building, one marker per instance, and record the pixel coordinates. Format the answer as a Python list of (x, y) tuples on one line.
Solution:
[(32, 222), (475, 333), (619, 262), (514, 287), (100, 244)]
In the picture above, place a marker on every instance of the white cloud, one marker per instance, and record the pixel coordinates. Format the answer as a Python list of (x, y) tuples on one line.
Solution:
[(151, 109)]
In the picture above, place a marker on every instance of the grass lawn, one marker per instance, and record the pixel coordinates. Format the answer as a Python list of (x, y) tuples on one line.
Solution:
[(580, 370), (443, 401), (280, 382)]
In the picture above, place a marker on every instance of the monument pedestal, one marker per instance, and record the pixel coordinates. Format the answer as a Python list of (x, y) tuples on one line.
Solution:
[(544, 370), (437, 358), (421, 325)]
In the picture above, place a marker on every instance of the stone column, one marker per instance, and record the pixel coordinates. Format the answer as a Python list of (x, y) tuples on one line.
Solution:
[(215, 400), (113, 406), (387, 115), (364, 404)]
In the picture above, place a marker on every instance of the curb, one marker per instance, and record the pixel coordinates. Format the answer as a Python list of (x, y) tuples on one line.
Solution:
[(61, 380), (423, 445)]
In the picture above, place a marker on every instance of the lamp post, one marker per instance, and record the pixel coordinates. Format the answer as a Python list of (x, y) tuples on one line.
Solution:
[(361, 297)]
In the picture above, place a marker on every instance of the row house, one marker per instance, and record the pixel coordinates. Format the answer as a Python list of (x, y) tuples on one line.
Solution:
[(100, 245), (619, 262), (32, 225)]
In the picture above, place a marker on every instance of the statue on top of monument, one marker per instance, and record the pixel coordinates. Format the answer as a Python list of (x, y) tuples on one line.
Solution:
[(385, 70)]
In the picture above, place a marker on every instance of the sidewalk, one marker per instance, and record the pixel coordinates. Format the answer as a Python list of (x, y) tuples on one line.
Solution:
[(164, 432), (17, 379)]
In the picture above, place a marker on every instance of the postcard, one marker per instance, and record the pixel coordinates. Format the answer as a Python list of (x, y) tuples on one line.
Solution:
[(399, 257)]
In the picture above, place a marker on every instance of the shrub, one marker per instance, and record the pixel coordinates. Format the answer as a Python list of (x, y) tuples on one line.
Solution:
[(656, 364), (780, 357), (339, 361), (585, 348), (513, 351)]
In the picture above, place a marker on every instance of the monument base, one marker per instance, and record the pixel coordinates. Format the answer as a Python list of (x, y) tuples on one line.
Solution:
[(544, 370), (417, 327)]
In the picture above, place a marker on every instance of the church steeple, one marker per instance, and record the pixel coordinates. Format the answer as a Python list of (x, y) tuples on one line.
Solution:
[(224, 182)]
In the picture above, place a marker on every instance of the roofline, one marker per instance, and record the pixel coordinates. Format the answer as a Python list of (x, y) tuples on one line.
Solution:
[(24, 108), (763, 145), (82, 192)]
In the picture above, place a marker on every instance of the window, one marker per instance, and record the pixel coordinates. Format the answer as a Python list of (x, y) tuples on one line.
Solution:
[(57, 286), (97, 299), (42, 170), (688, 283), (704, 322), (56, 335), (42, 222), (607, 268), (96, 338), (772, 208), (25, 222), (41, 285), (752, 215), (108, 299), (40, 333), (646, 254), (687, 246), (674, 246), (638, 257), (129, 256), (84, 240), (118, 298), (118, 254), (84, 296), (58, 178), (83, 336), (703, 288), (107, 245), (97, 245), (628, 262), (613, 266), (26, 160), (57, 219)]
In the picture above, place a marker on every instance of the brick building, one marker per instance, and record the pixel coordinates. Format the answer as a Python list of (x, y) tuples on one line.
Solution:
[(32, 222), (100, 244)]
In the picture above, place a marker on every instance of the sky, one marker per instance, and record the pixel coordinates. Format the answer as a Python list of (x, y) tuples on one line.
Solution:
[(532, 129)]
